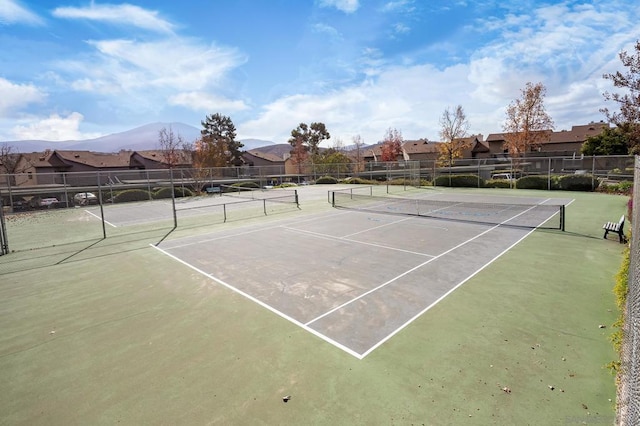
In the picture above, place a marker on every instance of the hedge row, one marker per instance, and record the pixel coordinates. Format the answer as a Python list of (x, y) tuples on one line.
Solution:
[(129, 195), (565, 183)]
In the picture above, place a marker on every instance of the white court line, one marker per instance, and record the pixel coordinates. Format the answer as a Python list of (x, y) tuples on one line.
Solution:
[(247, 232), (396, 331), (264, 305), (306, 327), (331, 237), (106, 221), (411, 270), (376, 227)]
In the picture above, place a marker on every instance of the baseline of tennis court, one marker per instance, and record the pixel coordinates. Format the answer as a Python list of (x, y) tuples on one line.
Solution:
[(351, 278)]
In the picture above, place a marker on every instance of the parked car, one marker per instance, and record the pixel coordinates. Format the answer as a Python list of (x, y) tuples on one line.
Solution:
[(505, 176), (44, 203), (84, 198)]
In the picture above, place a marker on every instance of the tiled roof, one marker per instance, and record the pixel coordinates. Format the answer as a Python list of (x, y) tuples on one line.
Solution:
[(95, 159), (420, 146), (576, 134), (158, 155), (266, 156)]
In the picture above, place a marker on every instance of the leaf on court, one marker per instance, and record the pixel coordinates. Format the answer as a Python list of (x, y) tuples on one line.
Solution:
[(506, 389), (286, 398)]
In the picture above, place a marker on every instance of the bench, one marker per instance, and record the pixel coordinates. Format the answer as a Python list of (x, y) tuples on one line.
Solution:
[(212, 190), (617, 227)]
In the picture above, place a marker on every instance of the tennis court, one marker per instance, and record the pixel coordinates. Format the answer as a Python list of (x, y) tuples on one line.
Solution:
[(239, 204), (313, 304), (356, 278)]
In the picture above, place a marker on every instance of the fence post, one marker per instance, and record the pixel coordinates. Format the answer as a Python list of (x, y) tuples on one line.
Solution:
[(104, 228), (148, 184), (4, 243), (593, 173)]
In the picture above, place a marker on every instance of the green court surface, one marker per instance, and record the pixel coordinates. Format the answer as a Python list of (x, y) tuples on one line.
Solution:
[(115, 332)]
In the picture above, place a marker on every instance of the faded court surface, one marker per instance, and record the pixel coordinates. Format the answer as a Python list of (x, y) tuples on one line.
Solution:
[(352, 278)]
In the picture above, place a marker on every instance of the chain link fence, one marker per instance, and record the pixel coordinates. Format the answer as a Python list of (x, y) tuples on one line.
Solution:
[(628, 406)]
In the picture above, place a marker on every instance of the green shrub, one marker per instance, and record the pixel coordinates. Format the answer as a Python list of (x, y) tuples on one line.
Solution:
[(497, 183), (460, 181), (326, 180), (532, 182), (624, 188), (620, 290), (360, 181), (129, 195), (166, 193), (246, 184), (578, 183)]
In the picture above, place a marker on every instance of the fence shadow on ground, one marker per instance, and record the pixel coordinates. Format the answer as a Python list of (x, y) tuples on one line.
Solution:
[(22, 261)]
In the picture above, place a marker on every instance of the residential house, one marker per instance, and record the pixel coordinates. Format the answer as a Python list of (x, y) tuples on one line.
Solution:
[(561, 143), (158, 159), (264, 163)]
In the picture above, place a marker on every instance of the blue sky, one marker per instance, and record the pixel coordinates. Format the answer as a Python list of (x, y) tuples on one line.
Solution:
[(74, 69)]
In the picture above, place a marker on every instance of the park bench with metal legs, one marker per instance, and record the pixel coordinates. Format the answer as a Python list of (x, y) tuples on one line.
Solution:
[(617, 228)]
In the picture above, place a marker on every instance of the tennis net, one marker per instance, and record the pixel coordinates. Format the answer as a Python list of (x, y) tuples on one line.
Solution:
[(279, 194), (546, 216)]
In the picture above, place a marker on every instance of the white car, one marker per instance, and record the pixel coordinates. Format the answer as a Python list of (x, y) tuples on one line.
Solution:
[(84, 198)]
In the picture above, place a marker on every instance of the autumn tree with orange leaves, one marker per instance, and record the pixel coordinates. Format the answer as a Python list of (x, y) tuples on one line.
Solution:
[(391, 145)]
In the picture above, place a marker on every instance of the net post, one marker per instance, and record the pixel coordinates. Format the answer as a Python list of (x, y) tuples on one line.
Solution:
[(264, 207), (224, 212), (562, 217), (333, 198), (295, 192), (173, 199)]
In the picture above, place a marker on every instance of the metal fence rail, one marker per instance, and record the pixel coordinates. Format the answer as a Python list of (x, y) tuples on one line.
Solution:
[(628, 405), (4, 244)]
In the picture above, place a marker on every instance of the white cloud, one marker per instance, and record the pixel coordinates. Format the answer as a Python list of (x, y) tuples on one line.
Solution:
[(566, 48), (123, 14), (398, 6), (346, 6), (407, 98), (173, 63), (201, 101), (329, 30), (12, 12), (53, 128), (401, 28), (14, 97)]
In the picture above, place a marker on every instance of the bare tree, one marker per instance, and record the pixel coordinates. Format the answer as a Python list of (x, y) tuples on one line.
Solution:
[(392, 145), (9, 162), (453, 132), (629, 115), (527, 122), (171, 146), (358, 142), (338, 145)]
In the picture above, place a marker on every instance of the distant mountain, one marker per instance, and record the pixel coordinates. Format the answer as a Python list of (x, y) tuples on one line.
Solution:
[(140, 138), (250, 144)]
